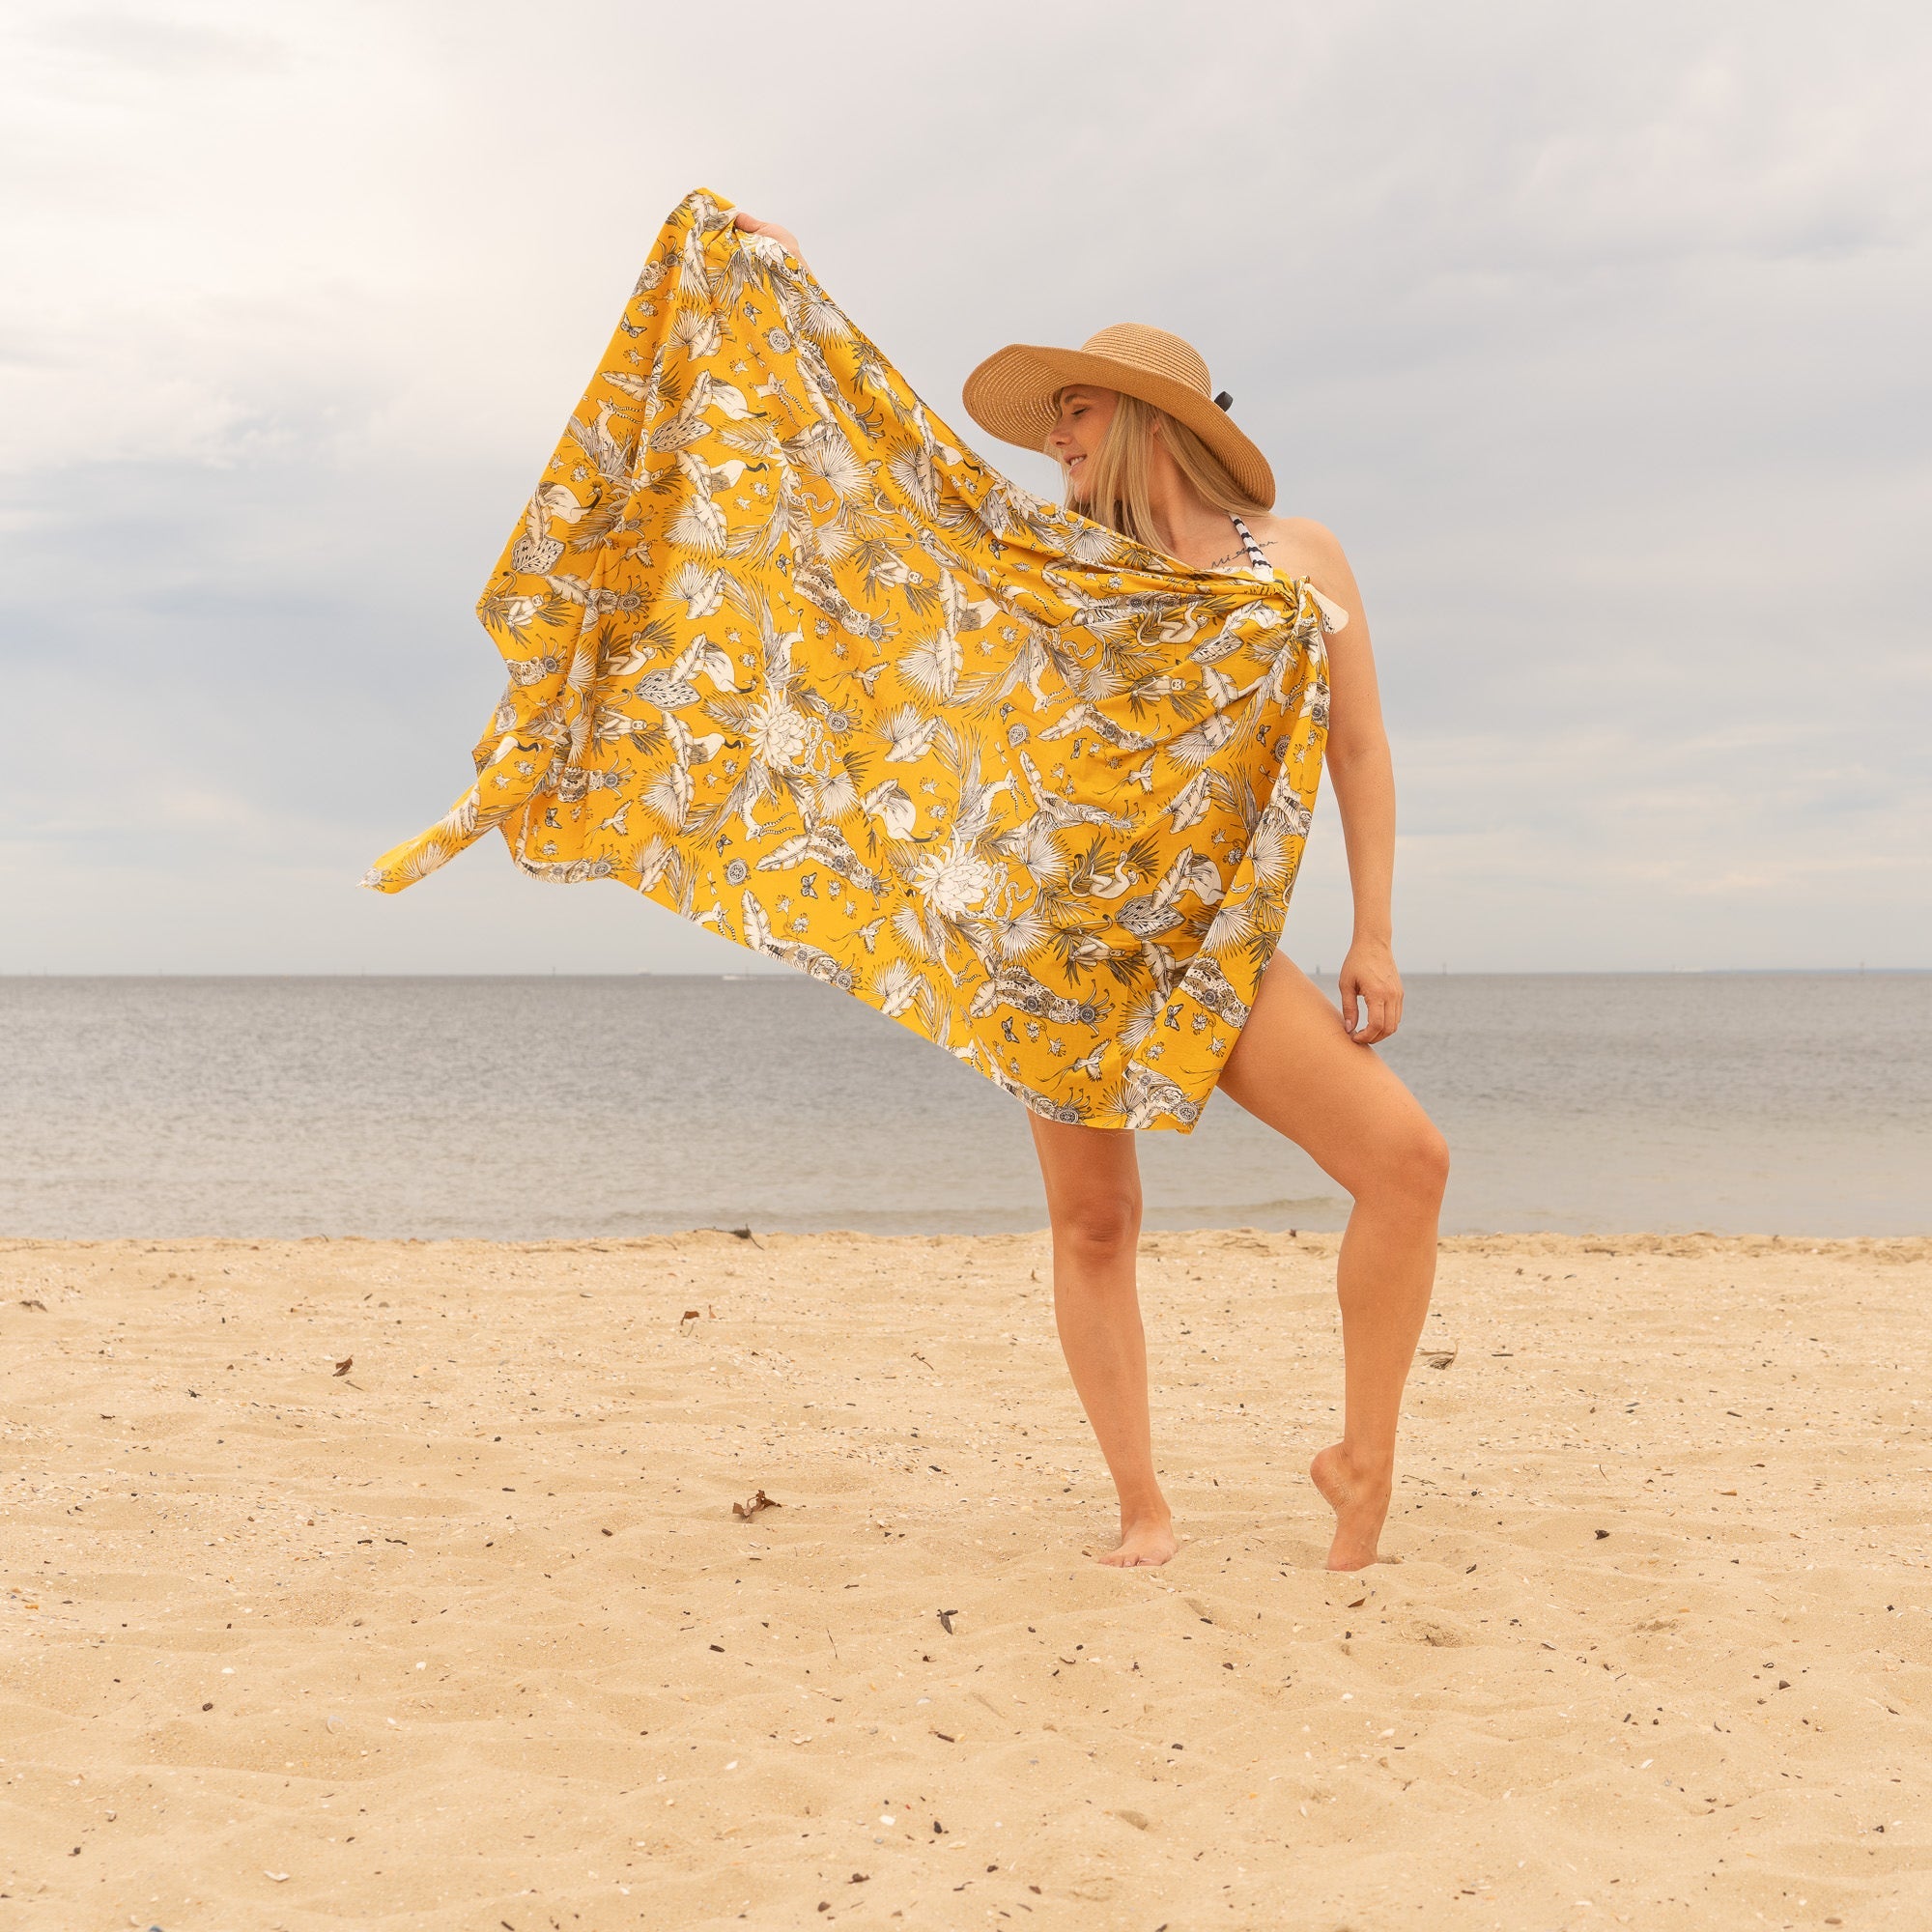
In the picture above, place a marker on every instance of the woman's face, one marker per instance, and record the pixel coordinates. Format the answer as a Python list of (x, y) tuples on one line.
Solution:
[(1076, 438)]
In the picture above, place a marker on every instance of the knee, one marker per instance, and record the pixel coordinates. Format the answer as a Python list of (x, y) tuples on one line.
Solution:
[(1413, 1164), (1097, 1227)]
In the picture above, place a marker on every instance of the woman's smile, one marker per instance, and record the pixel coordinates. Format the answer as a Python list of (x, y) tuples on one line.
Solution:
[(1081, 427)]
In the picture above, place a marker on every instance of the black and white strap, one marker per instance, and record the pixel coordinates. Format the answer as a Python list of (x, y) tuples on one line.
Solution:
[(1255, 554)]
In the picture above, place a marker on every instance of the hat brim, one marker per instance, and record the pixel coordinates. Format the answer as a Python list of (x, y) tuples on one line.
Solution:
[(1010, 396)]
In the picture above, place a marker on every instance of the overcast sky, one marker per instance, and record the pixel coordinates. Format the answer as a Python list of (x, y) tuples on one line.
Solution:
[(1597, 334)]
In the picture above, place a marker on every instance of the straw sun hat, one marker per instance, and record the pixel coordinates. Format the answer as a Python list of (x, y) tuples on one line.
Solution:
[(1011, 394)]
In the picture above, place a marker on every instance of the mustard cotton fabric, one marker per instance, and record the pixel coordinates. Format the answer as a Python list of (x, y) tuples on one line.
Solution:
[(787, 659)]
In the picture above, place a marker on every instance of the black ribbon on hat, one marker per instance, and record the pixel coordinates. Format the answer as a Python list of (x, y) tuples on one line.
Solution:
[(1224, 401)]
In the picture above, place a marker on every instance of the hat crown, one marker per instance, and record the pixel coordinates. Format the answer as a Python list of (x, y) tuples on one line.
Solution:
[(1152, 350)]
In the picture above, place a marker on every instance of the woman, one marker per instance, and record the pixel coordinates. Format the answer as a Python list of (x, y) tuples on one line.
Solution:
[(786, 661), (1125, 419)]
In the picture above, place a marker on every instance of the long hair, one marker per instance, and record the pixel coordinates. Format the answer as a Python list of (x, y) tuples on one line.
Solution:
[(1117, 485)]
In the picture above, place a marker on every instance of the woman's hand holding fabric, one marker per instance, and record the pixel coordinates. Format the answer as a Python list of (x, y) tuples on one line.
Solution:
[(1371, 990), (784, 236)]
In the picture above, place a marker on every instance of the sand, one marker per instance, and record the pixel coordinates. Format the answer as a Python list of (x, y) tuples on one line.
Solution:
[(470, 1637)]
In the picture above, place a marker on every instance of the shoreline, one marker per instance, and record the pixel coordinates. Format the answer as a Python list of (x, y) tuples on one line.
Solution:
[(471, 1632), (1686, 1244)]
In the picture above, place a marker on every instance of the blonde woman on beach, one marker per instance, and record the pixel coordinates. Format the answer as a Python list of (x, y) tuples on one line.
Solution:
[(1145, 449), (1032, 780)]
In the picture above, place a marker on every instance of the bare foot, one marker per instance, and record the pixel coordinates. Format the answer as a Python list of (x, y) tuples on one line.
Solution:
[(1360, 1500), (1148, 1539)]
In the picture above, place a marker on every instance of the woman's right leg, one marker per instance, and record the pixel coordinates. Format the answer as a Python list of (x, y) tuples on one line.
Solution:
[(1094, 1200)]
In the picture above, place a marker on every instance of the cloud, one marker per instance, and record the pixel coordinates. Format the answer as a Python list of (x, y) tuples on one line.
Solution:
[(1596, 336)]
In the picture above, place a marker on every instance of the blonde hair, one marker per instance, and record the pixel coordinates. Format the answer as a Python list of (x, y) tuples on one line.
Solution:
[(1118, 472)]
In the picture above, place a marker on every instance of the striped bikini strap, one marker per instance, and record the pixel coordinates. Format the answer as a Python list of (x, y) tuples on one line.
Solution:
[(1255, 554)]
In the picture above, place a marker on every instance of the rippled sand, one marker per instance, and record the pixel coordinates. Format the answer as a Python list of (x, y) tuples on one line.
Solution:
[(470, 1635)]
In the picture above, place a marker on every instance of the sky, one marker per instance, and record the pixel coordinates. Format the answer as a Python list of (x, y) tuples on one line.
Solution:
[(1596, 334)]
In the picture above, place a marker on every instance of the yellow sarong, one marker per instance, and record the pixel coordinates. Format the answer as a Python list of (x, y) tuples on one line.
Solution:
[(788, 660)]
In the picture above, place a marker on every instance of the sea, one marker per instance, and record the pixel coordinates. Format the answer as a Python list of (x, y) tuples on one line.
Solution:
[(541, 1108)]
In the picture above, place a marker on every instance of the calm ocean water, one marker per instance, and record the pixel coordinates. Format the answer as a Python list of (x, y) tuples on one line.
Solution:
[(525, 1108)]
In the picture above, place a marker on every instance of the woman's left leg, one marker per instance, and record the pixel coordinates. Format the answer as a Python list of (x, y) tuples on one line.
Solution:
[(1094, 1200), (1295, 1068)]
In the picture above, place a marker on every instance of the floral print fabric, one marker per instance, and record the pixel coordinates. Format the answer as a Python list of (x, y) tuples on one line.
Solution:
[(787, 659)]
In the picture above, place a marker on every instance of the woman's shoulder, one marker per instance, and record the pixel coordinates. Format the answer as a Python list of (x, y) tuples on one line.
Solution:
[(1297, 545), (1300, 547)]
